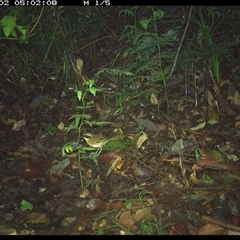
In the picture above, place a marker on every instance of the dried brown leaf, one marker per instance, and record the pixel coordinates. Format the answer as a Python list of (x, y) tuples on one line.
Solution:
[(131, 218), (153, 99), (179, 228), (116, 164), (36, 217), (110, 156), (67, 221), (144, 123), (17, 125), (141, 140), (210, 229)]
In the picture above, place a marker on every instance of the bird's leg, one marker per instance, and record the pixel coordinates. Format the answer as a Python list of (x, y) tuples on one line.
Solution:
[(99, 151)]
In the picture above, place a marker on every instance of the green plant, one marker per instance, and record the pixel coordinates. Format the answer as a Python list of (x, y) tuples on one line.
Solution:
[(146, 226), (10, 28), (208, 21), (110, 223), (81, 119), (25, 205), (146, 42), (144, 51)]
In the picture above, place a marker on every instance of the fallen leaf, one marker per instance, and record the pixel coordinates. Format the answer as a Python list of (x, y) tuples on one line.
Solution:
[(118, 162), (196, 181), (141, 171), (199, 126), (210, 99), (17, 125), (85, 193), (236, 98), (210, 229), (6, 230), (131, 218), (36, 217), (115, 204), (177, 146), (60, 166), (110, 156), (144, 123), (94, 203), (67, 221), (153, 99), (38, 100), (180, 228), (141, 140)]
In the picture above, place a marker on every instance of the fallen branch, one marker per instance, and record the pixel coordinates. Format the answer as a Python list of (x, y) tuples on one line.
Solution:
[(220, 223)]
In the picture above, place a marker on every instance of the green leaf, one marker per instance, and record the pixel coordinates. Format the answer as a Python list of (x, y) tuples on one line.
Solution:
[(177, 146), (197, 155), (22, 30), (93, 91), (206, 178), (14, 34), (8, 158), (144, 23), (51, 130), (126, 12), (79, 95), (158, 14), (25, 205), (129, 205), (8, 24), (146, 227)]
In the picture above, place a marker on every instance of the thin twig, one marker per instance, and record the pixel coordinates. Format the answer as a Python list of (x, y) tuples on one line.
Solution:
[(183, 36)]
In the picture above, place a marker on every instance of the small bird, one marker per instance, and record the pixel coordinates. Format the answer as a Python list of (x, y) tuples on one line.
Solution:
[(96, 141)]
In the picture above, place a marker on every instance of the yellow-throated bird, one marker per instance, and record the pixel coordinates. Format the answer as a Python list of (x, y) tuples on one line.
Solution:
[(96, 140)]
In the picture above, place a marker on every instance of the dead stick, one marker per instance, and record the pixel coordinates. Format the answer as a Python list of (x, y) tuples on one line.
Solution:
[(220, 223)]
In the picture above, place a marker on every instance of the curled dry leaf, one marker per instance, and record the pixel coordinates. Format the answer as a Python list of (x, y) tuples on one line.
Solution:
[(17, 125), (115, 166), (153, 99), (94, 203), (110, 156), (60, 126), (141, 140), (196, 181), (199, 126)]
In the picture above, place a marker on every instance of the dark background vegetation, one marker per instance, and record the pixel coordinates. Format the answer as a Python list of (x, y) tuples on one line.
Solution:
[(57, 36)]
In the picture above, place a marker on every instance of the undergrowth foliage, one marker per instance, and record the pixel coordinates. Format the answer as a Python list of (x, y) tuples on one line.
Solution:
[(44, 41)]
